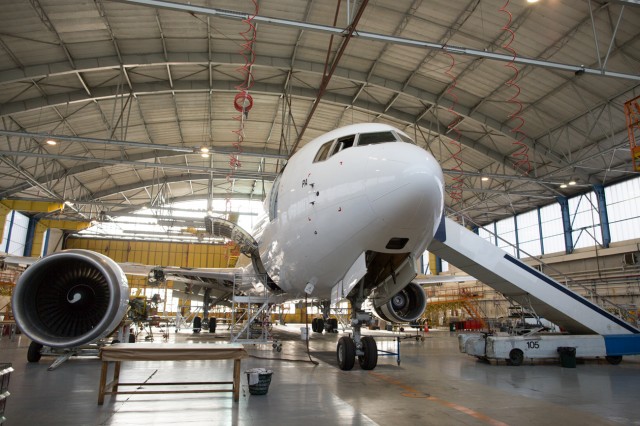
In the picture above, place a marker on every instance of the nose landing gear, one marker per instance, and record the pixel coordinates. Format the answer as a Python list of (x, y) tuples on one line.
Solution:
[(364, 347)]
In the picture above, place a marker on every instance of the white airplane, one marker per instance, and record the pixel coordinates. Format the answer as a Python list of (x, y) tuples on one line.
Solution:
[(348, 218)]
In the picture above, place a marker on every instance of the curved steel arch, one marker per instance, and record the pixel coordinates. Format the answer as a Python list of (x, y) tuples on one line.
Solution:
[(350, 75)]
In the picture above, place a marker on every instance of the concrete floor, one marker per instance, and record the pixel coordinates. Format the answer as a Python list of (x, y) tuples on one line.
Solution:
[(433, 385)]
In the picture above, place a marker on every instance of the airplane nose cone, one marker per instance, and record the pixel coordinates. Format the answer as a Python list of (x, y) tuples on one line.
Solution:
[(406, 189)]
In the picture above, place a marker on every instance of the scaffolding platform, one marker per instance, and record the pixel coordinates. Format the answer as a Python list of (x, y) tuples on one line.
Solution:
[(251, 313)]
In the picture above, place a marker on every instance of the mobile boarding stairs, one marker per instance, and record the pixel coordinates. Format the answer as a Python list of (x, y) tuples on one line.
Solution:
[(589, 329)]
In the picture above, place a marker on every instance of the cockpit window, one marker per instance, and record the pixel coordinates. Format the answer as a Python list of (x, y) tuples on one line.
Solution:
[(344, 143), (323, 152), (373, 138)]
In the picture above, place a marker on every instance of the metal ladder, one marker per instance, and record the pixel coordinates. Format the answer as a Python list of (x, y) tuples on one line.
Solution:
[(251, 313)]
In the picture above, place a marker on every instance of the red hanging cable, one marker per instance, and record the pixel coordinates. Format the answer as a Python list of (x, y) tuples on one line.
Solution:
[(242, 102), (456, 188), (521, 155)]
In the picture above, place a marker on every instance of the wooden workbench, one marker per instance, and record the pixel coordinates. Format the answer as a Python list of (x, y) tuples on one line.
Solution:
[(168, 352)]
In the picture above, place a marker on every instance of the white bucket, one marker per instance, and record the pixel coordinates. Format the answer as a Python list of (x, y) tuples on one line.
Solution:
[(304, 335)]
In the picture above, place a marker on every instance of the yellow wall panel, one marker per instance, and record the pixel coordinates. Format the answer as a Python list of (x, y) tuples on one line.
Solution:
[(38, 240), (157, 253), (32, 206)]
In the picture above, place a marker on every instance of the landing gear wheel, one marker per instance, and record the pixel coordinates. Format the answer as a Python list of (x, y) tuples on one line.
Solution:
[(516, 357), (333, 325), (320, 325), (197, 325), (614, 360), (33, 354), (346, 353), (314, 325), (370, 358)]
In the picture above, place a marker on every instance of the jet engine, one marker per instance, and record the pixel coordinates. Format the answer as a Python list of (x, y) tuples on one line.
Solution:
[(70, 298), (405, 306)]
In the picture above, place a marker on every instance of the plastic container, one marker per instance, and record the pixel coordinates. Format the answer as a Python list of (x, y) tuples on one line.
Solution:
[(259, 380), (304, 334), (567, 356), (5, 375)]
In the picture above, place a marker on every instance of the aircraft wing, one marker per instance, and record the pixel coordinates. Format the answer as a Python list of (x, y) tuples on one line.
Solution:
[(430, 280), (192, 282), (175, 273), (18, 261)]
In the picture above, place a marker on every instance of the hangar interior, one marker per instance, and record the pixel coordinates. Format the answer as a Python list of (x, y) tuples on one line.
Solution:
[(125, 123)]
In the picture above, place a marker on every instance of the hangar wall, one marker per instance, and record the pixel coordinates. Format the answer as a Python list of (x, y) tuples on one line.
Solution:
[(161, 253)]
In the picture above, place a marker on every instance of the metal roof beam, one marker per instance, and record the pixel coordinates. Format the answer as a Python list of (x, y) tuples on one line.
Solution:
[(140, 164), (90, 165), (355, 77), (44, 136), (627, 2), (201, 86), (460, 50), (151, 146)]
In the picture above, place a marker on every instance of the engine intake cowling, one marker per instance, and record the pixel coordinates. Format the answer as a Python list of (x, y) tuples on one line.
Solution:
[(405, 306), (70, 298)]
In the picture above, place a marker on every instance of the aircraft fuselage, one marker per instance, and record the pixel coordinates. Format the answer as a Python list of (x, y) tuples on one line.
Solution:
[(377, 194)]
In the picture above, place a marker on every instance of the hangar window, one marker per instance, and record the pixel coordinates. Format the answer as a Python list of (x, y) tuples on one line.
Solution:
[(374, 138), (323, 152)]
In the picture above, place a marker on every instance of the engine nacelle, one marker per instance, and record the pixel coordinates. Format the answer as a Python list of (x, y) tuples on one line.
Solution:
[(405, 306), (70, 298)]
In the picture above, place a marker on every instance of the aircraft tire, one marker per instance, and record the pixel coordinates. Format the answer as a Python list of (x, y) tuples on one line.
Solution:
[(346, 353), (33, 354), (370, 358), (320, 325), (314, 325), (197, 324), (333, 325)]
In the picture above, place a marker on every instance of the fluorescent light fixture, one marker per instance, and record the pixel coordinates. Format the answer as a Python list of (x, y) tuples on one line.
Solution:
[(484, 178), (573, 182), (532, 1), (51, 142), (564, 185), (204, 155), (204, 150)]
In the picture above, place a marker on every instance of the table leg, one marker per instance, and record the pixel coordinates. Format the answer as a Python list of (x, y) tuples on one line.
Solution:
[(116, 376), (236, 379), (103, 381)]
